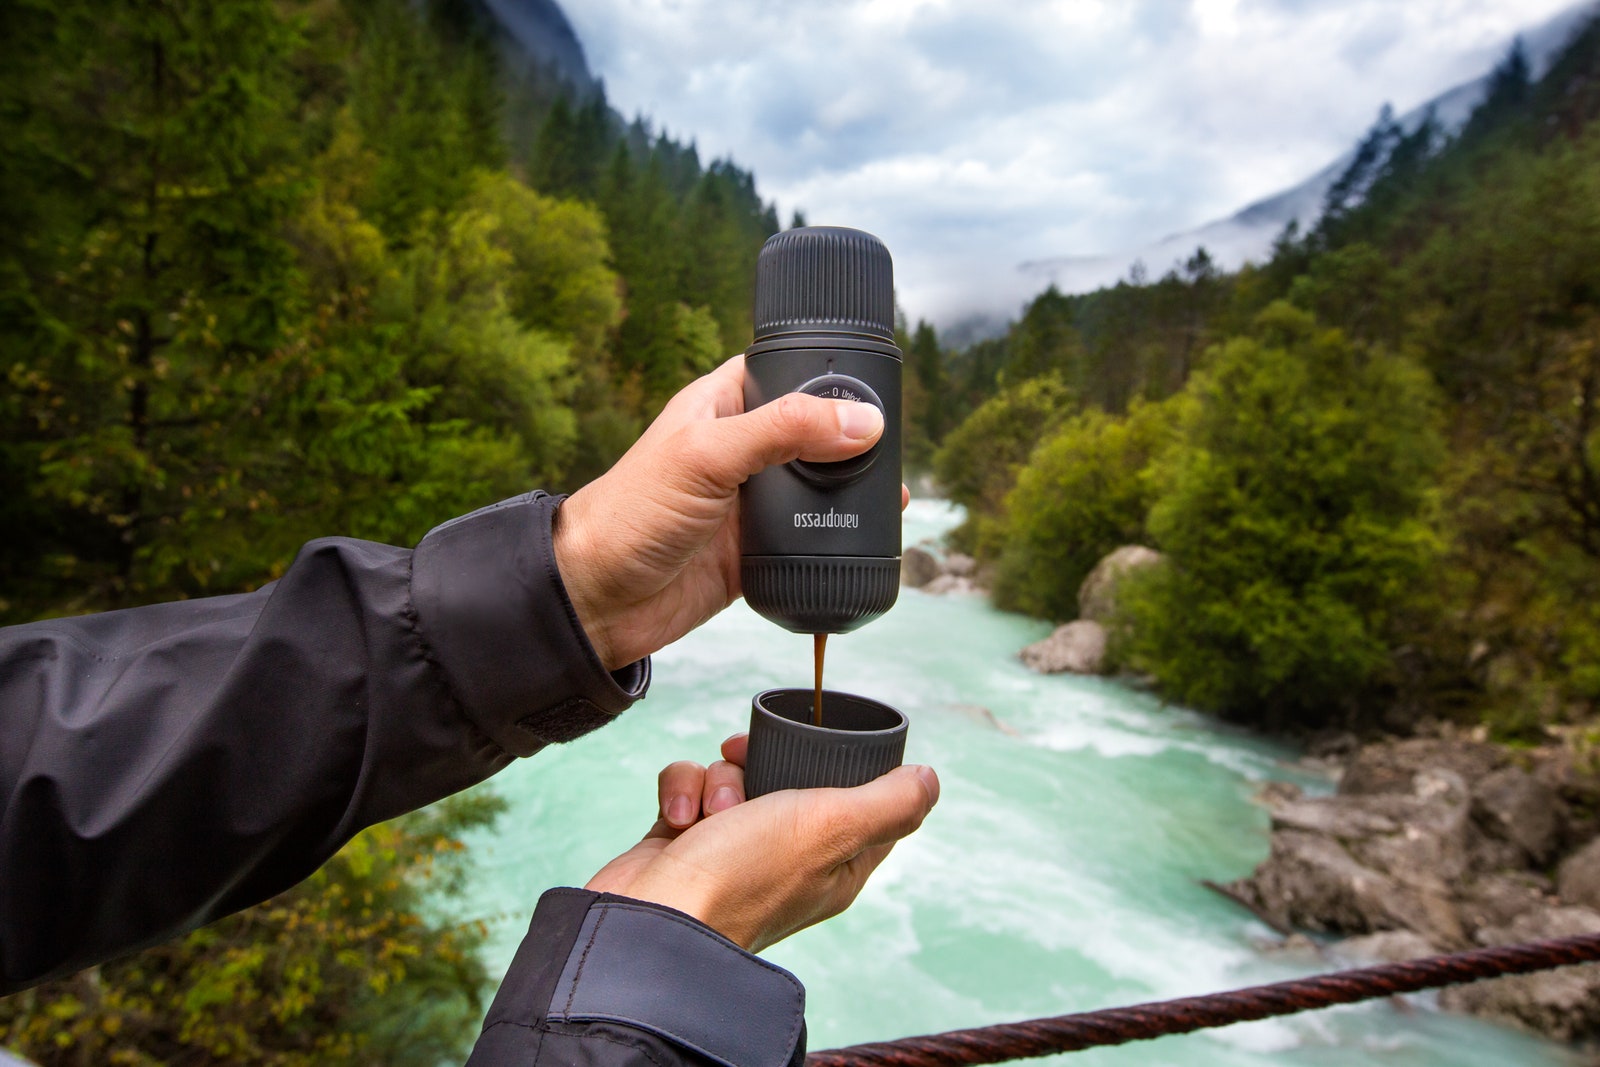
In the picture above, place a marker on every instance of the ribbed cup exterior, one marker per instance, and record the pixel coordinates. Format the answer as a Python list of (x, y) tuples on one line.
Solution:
[(820, 594), (824, 279), (860, 739)]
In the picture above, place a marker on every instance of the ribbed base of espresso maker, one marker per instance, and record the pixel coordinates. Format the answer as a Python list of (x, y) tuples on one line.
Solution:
[(820, 594)]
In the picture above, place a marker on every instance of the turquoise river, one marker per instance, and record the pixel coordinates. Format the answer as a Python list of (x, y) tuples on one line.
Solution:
[(1059, 873)]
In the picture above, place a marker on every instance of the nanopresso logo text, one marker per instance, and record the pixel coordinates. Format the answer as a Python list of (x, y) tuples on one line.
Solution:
[(831, 519)]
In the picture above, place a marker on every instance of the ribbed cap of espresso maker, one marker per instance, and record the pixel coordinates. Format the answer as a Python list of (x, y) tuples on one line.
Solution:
[(824, 279)]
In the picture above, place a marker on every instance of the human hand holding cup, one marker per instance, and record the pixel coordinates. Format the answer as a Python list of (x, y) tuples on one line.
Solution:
[(765, 868)]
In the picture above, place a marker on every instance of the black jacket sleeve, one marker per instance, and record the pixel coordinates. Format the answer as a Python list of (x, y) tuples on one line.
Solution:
[(163, 766), (605, 981)]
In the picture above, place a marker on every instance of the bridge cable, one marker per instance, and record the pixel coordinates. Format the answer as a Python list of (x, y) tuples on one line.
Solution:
[(1141, 1022)]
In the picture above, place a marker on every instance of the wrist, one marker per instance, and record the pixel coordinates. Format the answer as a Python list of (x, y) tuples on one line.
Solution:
[(685, 888), (574, 556)]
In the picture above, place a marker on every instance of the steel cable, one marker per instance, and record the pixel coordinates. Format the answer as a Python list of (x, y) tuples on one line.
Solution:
[(1116, 1026)]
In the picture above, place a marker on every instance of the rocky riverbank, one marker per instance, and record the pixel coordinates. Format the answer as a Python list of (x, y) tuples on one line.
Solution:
[(1428, 844), (1439, 844), (952, 572)]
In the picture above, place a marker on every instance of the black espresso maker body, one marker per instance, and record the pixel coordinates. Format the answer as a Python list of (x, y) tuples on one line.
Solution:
[(820, 542)]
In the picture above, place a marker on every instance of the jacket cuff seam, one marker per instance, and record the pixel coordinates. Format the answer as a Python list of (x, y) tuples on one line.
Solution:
[(502, 630), (413, 624)]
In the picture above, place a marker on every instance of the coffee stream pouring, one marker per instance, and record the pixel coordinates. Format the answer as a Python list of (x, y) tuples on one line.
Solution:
[(820, 542)]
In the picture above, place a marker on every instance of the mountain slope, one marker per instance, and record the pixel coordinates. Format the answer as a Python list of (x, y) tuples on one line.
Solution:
[(537, 32), (1247, 235)]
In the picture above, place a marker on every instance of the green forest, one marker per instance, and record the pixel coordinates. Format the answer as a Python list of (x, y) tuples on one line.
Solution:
[(275, 269), (1372, 462)]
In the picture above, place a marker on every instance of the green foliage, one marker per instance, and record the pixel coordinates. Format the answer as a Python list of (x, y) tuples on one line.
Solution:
[(1356, 287), (352, 966), (979, 461), (1292, 516), (684, 239), (1045, 342), (268, 276), (428, 108), (150, 290), (1084, 492), (926, 409), (1477, 255)]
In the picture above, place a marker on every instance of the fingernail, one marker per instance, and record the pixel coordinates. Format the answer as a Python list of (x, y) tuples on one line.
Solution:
[(930, 782), (722, 800), (680, 811), (859, 420)]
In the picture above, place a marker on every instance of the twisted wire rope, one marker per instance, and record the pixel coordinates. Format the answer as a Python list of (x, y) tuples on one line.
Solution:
[(1141, 1022)]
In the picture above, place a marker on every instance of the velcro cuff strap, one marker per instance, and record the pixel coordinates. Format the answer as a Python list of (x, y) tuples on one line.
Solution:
[(493, 609), (670, 976)]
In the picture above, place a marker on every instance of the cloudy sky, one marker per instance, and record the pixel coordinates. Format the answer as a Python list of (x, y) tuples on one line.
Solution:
[(972, 136)]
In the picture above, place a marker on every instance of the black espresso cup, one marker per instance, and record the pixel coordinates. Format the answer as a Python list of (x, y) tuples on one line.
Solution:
[(859, 739)]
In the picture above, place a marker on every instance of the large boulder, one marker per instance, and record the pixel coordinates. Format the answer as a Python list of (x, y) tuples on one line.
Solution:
[(1392, 767), (1563, 1003), (918, 567), (1513, 806), (951, 583), (1097, 596), (1079, 647), (1499, 899), (1578, 880), (1313, 882), (961, 565), (1519, 818), (1358, 865)]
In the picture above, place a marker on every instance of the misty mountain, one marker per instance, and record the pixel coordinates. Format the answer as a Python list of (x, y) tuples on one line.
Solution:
[(1248, 234), (536, 33)]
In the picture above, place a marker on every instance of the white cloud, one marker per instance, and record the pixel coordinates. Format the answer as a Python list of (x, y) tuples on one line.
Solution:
[(973, 136)]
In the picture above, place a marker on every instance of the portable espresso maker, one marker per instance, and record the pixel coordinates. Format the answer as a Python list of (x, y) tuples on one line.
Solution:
[(820, 542)]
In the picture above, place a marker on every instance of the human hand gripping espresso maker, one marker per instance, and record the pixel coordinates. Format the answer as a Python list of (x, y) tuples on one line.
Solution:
[(820, 542)]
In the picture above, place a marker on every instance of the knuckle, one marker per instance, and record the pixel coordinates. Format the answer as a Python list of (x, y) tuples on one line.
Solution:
[(796, 415), (836, 830), (690, 441), (677, 772), (724, 773)]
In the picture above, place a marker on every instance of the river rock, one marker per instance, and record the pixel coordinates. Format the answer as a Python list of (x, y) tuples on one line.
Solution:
[(1578, 880), (1079, 647), (960, 565), (1312, 881), (1512, 805), (1391, 946), (1437, 843), (1563, 1003), (918, 567), (1097, 596), (1358, 865), (1499, 899), (979, 714), (1274, 795), (950, 583), (1392, 766)]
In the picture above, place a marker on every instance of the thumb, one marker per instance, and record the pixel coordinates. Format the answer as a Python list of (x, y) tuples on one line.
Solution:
[(794, 426), (892, 806)]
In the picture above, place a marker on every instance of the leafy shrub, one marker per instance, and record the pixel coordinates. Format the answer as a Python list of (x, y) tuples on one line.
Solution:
[(351, 966), (1085, 492), (978, 463), (1292, 515)]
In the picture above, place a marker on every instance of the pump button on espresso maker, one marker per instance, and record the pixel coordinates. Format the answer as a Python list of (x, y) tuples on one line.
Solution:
[(844, 471)]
